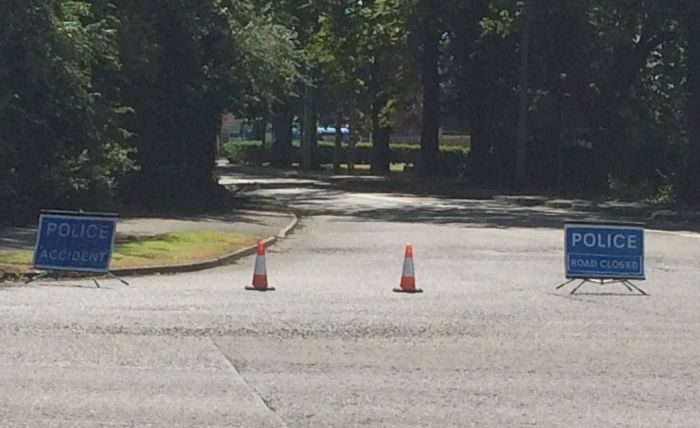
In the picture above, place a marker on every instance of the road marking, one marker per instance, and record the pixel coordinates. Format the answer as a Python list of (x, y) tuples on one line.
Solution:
[(256, 395)]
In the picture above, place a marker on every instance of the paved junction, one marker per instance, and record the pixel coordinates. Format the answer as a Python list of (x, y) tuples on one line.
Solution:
[(489, 343)]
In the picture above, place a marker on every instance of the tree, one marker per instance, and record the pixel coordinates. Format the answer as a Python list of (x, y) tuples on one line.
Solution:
[(626, 35), (521, 173), (94, 94), (428, 34), (62, 143), (468, 75), (689, 184), (179, 75), (307, 20), (385, 68), (270, 61)]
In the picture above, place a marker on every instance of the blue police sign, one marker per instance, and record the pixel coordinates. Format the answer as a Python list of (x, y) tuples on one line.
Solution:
[(596, 251), (75, 242)]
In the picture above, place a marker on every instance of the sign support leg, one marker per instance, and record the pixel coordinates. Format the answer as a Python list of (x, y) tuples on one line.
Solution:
[(111, 275), (578, 286), (45, 274), (565, 284), (36, 278), (630, 284), (627, 285), (631, 287)]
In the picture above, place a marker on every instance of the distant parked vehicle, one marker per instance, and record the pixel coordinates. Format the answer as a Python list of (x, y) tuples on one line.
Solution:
[(328, 133), (324, 133)]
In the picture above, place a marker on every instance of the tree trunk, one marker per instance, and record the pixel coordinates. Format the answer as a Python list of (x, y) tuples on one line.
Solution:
[(380, 130), (261, 129), (353, 139), (480, 150), (521, 174), (689, 186), (561, 103), (472, 89), (310, 135), (380, 149), (338, 148), (429, 141), (381, 134), (281, 154)]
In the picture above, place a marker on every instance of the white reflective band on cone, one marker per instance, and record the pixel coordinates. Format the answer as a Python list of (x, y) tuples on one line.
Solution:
[(260, 268), (408, 267)]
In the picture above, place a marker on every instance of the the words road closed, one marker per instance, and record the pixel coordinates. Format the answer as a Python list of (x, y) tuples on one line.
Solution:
[(604, 251)]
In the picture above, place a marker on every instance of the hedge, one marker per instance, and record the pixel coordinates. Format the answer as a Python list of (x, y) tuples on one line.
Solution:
[(253, 152)]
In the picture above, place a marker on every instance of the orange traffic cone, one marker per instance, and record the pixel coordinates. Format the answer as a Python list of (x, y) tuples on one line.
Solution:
[(408, 278), (260, 272)]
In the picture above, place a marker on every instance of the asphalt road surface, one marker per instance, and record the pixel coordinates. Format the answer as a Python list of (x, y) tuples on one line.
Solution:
[(489, 342)]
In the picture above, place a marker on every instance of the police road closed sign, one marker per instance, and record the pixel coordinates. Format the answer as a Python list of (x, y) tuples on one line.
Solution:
[(74, 242), (596, 251)]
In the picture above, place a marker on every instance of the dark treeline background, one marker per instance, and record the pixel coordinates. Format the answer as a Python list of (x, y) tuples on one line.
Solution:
[(110, 103)]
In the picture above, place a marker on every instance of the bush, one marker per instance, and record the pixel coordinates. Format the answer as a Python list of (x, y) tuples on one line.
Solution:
[(253, 152), (244, 152)]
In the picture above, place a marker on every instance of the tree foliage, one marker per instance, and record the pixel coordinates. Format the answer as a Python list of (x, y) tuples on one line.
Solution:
[(61, 134)]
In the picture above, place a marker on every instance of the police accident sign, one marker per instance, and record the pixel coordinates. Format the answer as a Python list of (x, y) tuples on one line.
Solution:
[(598, 251), (75, 242)]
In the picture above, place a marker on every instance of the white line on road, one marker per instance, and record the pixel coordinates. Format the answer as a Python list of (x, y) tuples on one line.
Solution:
[(682, 234), (260, 400)]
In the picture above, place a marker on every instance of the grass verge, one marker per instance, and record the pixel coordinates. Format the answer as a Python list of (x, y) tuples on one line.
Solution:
[(166, 249)]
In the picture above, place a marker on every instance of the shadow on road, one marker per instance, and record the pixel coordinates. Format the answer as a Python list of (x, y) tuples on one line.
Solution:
[(368, 198), (430, 210), (474, 217)]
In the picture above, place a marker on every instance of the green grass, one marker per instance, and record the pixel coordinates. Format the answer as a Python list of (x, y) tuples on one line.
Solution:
[(15, 262), (165, 249)]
